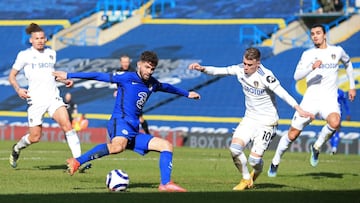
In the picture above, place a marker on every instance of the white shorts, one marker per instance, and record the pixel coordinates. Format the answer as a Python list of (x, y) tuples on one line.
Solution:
[(36, 112), (251, 131), (321, 109)]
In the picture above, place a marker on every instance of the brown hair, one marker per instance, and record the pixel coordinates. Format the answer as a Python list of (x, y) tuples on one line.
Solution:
[(252, 53), (33, 27), (149, 56)]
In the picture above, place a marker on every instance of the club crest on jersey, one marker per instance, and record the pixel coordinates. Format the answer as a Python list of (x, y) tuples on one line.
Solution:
[(51, 57), (256, 84), (333, 56), (270, 79), (150, 87)]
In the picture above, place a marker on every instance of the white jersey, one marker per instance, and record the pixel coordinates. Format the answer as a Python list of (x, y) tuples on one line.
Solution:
[(259, 89), (38, 68), (322, 82)]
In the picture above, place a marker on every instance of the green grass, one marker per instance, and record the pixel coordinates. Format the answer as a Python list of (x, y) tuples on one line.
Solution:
[(208, 174)]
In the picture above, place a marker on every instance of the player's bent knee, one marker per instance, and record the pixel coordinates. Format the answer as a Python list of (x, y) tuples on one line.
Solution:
[(256, 162), (167, 146), (236, 149), (160, 145), (115, 149), (34, 138)]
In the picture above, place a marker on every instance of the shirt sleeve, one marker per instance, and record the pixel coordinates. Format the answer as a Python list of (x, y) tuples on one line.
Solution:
[(105, 77), (221, 71), (284, 95), (345, 59), (20, 61), (165, 87)]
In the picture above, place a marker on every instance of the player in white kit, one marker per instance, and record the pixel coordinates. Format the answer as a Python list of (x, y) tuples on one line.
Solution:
[(319, 65), (260, 122), (42, 94)]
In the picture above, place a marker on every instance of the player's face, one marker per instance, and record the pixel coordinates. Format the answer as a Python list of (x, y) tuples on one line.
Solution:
[(145, 69), (250, 66), (38, 40), (318, 36), (125, 63)]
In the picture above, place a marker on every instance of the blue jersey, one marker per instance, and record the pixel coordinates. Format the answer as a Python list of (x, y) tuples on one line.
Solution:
[(132, 92), (343, 102)]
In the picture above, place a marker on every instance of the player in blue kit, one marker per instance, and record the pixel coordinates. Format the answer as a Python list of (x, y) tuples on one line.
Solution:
[(134, 89), (344, 110)]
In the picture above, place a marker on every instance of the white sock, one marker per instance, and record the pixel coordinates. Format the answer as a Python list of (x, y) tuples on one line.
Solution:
[(244, 168), (23, 143), (324, 135), (281, 148), (73, 142)]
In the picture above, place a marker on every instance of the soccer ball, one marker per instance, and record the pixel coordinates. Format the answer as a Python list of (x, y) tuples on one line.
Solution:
[(117, 180)]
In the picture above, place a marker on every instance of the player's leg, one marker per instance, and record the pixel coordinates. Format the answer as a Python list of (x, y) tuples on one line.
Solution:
[(165, 162), (32, 137), (261, 142), (334, 142), (297, 124), (241, 138), (333, 123), (60, 115), (35, 117), (117, 145)]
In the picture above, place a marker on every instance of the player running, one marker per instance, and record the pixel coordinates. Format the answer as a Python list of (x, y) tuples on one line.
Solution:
[(319, 65), (134, 89), (42, 95), (261, 117)]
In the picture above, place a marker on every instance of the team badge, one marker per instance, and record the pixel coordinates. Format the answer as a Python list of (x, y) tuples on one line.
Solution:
[(256, 84), (270, 79), (150, 87), (51, 57), (333, 56)]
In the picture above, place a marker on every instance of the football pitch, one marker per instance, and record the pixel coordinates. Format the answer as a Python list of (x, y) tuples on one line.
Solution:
[(208, 174)]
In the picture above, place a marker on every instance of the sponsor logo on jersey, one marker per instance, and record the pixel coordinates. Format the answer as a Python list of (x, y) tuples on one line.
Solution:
[(253, 90), (270, 79)]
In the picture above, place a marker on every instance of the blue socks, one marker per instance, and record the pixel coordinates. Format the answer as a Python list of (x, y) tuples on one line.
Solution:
[(94, 153), (165, 164)]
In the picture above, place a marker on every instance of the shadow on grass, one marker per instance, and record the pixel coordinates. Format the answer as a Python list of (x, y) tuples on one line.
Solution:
[(325, 175), (133, 186), (206, 197), (52, 167)]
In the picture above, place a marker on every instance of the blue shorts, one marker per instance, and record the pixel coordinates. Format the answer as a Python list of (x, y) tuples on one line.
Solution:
[(137, 142)]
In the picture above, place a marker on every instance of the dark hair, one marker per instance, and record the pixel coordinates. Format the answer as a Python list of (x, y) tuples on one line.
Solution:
[(319, 25), (33, 27), (252, 53), (149, 56)]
